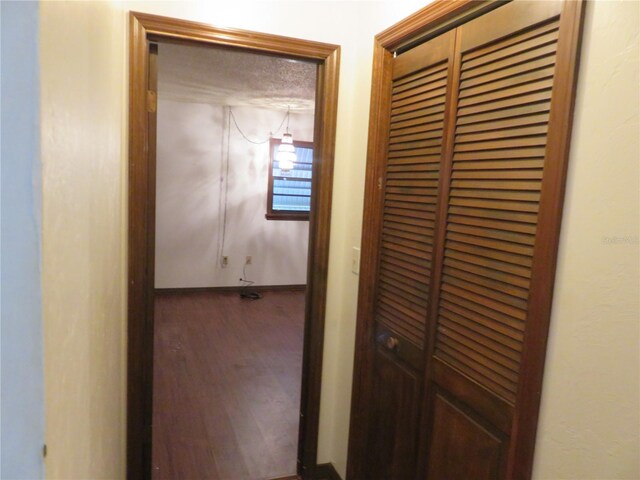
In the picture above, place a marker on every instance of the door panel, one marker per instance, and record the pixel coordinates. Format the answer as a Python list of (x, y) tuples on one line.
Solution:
[(481, 303), (482, 316), (463, 448), (391, 452), (409, 196)]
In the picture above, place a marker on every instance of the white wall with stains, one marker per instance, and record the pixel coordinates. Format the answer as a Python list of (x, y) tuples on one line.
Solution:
[(190, 220)]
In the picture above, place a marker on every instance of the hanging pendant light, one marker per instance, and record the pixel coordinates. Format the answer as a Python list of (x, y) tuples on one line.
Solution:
[(286, 154)]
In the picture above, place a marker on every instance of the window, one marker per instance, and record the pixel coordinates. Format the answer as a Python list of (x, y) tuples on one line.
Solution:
[(289, 193)]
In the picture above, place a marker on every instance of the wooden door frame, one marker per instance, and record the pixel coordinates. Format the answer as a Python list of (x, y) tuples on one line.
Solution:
[(144, 29), (430, 21)]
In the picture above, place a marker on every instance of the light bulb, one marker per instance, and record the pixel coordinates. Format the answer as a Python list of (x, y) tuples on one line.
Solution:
[(286, 154)]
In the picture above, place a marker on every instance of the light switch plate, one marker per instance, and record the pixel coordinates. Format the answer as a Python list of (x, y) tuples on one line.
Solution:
[(355, 260)]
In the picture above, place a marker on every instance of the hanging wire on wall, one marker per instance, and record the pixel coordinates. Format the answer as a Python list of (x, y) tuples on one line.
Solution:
[(224, 171), (224, 179), (271, 134)]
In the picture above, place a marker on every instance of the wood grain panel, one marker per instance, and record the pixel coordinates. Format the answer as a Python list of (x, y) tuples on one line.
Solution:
[(463, 447), (391, 453)]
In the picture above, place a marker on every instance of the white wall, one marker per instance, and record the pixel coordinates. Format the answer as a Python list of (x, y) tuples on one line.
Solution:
[(590, 418), (591, 388), (82, 59), (22, 395), (190, 210)]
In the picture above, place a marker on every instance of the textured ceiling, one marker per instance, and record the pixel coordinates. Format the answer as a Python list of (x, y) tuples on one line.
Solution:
[(231, 77)]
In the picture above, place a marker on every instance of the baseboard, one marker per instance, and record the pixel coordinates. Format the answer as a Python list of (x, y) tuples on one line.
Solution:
[(325, 471), (256, 288)]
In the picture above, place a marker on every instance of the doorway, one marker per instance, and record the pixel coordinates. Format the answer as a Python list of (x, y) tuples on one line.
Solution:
[(147, 30)]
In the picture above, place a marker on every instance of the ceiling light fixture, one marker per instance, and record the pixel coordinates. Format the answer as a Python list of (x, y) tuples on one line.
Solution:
[(286, 154)]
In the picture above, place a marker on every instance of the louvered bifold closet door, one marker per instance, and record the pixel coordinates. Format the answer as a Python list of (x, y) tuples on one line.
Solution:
[(409, 196), (507, 68)]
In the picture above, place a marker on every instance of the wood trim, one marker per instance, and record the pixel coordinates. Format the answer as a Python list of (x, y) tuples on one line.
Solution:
[(138, 378), (318, 258), (145, 28), (439, 16), (257, 288), (297, 217), (372, 226), (156, 26), (281, 214), (325, 471), (545, 253)]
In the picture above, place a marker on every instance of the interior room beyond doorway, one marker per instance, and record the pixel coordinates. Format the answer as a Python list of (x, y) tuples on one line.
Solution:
[(229, 278)]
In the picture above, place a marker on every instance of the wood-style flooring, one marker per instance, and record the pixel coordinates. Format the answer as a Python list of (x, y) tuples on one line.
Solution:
[(227, 375)]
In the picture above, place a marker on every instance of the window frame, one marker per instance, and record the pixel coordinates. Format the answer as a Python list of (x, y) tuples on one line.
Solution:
[(284, 214)]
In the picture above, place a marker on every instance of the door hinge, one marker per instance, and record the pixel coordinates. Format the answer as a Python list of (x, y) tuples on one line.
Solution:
[(379, 183), (44, 451), (152, 101)]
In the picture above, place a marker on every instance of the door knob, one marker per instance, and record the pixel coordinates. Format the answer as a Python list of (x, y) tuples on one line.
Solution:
[(391, 343)]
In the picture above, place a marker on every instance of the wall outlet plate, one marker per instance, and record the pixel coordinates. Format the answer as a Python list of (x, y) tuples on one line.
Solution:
[(248, 260), (225, 261)]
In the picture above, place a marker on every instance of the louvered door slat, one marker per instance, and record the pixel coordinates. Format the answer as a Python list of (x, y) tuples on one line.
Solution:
[(418, 127), (420, 86), (499, 285), (476, 309), (510, 50), (509, 41), (408, 294), (495, 260), (545, 61), (515, 60), (488, 272), (490, 293), (417, 113), (428, 75), (487, 337), (506, 365), (465, 316), (474, 366), (508, 153), (512, 81), (497, 125), (506, 235), (542, 95), (418, 119), (484, 134)]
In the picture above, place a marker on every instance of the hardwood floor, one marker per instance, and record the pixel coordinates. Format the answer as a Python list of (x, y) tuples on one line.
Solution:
[(227, 375)]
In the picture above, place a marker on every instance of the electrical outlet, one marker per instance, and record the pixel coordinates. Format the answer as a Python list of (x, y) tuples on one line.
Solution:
[(355, 260), (248, 260), (225, 261)]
